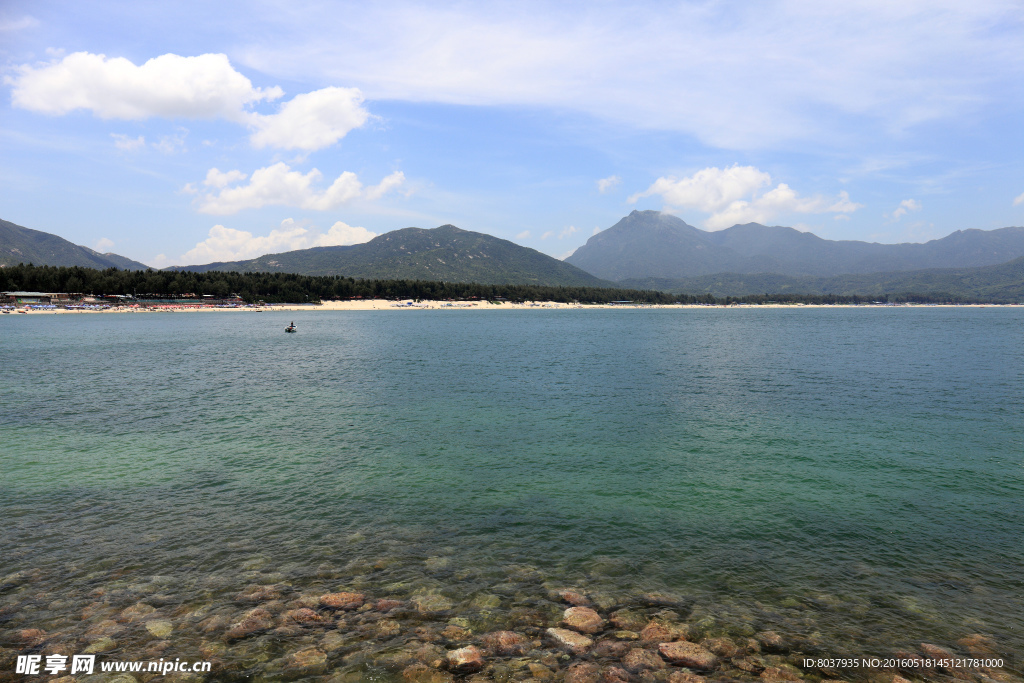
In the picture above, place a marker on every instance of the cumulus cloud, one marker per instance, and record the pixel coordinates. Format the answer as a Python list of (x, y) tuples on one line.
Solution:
[(172, 86), (605, 185), (128, 144), (595, 231), (546, 235), (103, 245), (202, 87), (1019, 200), (279, 185), (733, 195), (905, 206), (217, 178), (228, 244), (311, 121), (525, 234)]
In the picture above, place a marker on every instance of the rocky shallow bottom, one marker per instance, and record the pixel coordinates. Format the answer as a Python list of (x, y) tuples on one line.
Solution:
[(351, 623)]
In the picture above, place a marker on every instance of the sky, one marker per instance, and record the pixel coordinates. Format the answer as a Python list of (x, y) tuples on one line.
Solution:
[(192, 132)]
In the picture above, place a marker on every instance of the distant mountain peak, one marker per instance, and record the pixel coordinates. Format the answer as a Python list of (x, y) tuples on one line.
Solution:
[(653, 244)]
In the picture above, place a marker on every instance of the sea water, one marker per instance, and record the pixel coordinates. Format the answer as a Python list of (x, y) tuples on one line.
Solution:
[(850, 478)]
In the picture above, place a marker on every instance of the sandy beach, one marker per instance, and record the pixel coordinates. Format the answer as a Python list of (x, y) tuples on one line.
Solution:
[(410, 305)]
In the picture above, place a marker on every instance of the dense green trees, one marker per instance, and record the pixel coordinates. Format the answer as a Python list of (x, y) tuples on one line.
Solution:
[(288, 288)]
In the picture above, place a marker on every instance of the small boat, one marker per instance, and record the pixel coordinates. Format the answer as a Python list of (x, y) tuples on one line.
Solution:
[(290, 328)]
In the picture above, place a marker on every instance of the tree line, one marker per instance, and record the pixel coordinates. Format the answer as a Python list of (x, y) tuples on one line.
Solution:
[(290, 288)]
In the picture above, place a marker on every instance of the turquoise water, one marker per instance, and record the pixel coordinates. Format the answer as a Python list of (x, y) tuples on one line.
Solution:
[(851, 478)]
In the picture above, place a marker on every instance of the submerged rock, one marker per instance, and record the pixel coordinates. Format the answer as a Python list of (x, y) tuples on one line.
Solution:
[(432, 602), (465, 660), (771, 641), (637, 660), (160, 628), (629, 620), (253, 621), (101, 645), (569, 640), (689, 655), (342, 601), (583, 619), (303, 615), (723, 647), (258, 593), (685, 677), (780, 674), (505, 643), (584, 672), (420, 673), (135, 612), (305, 662), (573, 597)]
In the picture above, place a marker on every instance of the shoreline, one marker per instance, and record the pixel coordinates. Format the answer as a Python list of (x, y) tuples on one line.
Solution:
[(407, 304)]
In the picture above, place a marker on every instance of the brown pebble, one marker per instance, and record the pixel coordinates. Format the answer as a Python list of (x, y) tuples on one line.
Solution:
[(689, 655), (465, 660), (573, 597), (637, 660), (505, 643), (569, 640), (303, 615), (778, 674), (387, 605), (419, 673), (771, 641), (723, 647), (686, 677), (583, 619), (253, 621), (584, 672), (342, 601), (614, 674)]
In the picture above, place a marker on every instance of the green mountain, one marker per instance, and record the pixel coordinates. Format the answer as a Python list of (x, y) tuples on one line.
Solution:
[(445, 254), (1003, 282), (651, 244), (24, 245)]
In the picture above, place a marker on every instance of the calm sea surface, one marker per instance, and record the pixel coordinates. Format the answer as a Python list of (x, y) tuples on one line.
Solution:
[(850, 478)]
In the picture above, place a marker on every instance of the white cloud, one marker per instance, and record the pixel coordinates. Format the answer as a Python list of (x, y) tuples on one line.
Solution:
[(605, 185), (342, 234), (228, 244), (311, 121), (1019, 200), (905, 206), (596, 230), (103, 245), (525, 234), (731, 196), (128, 144), (546, 235), (733, 74), (562, 257), (217, 178), (278, 185), (171, 86), (566, 232)]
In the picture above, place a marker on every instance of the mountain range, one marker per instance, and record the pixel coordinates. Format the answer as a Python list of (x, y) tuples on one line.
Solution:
[(1003, 282), (24, 245), (645, 250), (446, 254), (651, 244)]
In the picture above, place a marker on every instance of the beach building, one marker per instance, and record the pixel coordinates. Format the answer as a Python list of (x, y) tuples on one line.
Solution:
[(29, 298)]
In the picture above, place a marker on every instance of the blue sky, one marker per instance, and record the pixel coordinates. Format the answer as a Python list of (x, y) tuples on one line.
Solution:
[(211, 131)]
